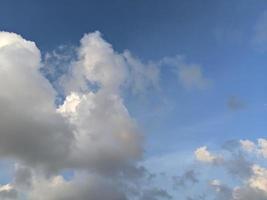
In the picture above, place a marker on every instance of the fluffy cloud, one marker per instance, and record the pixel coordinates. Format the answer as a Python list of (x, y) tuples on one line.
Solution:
[(100, 66), (259, 178), (31, 129), (255, 187), (247, 145), (243, 166), (260, 147), (78, 121), (89, 133), (106, 136), (202, 154)]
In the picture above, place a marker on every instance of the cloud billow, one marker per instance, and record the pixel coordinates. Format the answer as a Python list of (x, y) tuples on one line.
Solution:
[(94, 134), (89, 131)]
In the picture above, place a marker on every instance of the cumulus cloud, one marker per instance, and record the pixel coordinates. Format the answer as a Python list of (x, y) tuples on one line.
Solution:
[(247, 145), (101, 66), (90, 133), (202, 154), (259, 178), (67, 112), (244, 168), (260, 147), (254, 187), (106, 136), (31, 129)]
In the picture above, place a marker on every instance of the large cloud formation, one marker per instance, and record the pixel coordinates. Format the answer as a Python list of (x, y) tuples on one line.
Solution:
[(64, 123), (90, 133), (31, 129)]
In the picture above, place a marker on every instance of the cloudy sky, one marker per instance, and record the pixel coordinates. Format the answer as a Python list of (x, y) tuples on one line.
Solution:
[(133, 100)]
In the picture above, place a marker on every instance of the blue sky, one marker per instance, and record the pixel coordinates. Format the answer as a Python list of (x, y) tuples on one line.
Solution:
[(225, 40)]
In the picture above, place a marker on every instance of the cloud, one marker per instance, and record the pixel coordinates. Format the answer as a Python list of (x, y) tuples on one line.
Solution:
[(247, 193), (196, 197), (259, 178), (74, 118), (82, 188), (142, 76), (31, 129), (260, 148), (90, 132), (8, 192), (188, 177), (238, 166), (202, 154), (107, 138), (255, 187), (241, 169), (100, 66), (190, 75), (247, 145), (155, 194), (22, 177), (222, 192), (235, 103)]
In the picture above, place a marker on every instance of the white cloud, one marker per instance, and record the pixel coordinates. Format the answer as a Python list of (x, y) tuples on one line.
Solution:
[(8, 192), (248, 179), (259, 178), (90, 132), (106, 135), (255, 187), (103, 67), (202, 154), (247, 145), (260, 147), (31, 130)]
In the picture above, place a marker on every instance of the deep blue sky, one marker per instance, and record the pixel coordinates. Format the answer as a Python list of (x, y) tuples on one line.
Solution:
[(151, 28)]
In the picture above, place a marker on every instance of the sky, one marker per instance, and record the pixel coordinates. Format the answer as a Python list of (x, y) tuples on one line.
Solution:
[(133, 100)]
